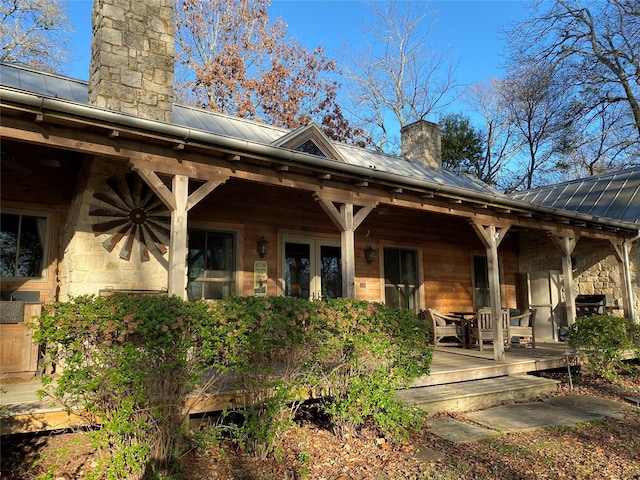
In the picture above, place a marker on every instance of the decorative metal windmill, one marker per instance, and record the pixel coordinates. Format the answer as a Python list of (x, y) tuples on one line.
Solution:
[(137, 214)]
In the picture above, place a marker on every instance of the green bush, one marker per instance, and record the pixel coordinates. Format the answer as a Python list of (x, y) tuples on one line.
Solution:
[(128, 364), (353, 354), (374, 351), (606, 341), (131, 361)]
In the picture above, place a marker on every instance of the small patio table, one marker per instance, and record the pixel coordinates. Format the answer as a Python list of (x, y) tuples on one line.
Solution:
[(466, 319)]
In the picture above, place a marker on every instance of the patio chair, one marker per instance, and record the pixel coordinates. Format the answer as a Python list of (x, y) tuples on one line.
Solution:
[(522, 328), (482, 330), (443, 326)]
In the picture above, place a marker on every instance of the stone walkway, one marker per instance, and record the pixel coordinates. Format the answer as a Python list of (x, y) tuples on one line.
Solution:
[(565, 411)]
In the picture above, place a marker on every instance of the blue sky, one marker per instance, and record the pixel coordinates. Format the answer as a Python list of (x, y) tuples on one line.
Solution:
[(469, 28)]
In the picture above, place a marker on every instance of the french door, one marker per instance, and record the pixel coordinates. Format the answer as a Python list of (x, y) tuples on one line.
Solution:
[(312, 267)]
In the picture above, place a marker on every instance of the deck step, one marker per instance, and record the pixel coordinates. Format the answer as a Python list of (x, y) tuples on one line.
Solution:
[(477, 394)]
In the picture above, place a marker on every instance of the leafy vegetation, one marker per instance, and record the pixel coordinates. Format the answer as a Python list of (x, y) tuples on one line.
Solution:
[(606, 341), (129, 362)]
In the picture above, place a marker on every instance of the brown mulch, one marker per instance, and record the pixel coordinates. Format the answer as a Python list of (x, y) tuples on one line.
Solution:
[(606, 449)]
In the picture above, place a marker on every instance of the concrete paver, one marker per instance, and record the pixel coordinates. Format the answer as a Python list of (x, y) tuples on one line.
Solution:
[(458, 432), (565, 411), (597, 405)]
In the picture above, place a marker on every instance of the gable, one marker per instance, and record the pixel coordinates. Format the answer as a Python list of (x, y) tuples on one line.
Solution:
[(309, 139)]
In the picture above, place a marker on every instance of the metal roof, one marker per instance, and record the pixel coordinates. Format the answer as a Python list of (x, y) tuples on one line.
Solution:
[(56, 86), (615, 196)]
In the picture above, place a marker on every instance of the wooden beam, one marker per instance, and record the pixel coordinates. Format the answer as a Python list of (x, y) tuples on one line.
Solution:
[(347, 222), (158, 187), (620, 254), (567, 245), (155, 157)]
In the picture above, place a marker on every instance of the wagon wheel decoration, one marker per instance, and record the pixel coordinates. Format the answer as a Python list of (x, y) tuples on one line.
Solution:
[(138, 214)]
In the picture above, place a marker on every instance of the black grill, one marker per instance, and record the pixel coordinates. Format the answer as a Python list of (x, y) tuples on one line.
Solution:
[(590, 305)]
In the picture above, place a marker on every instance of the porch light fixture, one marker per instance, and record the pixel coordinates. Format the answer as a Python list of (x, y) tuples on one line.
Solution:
[(262, 246), (368, 254)]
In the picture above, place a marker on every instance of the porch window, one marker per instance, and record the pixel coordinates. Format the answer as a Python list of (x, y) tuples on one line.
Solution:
[(211, 264), (401, 278), (24, 244), (312, 268)]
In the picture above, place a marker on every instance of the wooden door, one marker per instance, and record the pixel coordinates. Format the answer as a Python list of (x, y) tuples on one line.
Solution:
[(18, 353), (544, 295)]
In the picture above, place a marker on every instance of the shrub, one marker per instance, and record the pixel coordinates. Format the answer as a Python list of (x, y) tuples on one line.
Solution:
[(352, 353), (129, 363), (371, 352), (606, 341)]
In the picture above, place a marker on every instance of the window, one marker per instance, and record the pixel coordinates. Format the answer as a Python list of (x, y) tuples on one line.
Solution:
[(211, 264), (24, 244), (310, 147), (401, 280), (312, 268), (481, 296)]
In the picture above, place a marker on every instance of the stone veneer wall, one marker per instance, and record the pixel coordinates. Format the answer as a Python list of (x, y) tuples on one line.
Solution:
[(596, 269), (87, 267), (422, 141), (132, 61)]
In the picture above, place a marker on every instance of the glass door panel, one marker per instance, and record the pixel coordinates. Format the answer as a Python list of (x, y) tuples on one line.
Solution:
[(297, 269), (330, 271)]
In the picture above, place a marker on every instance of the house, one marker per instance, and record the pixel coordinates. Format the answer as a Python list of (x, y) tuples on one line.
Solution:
[(110, 185)]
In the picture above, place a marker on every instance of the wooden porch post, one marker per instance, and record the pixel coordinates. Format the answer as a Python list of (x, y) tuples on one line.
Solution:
[(491, 237), (618, 248), (567, 245), (347, 223), (179, 203)]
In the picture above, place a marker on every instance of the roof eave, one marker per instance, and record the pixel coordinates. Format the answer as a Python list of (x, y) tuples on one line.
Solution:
[(46, 105)]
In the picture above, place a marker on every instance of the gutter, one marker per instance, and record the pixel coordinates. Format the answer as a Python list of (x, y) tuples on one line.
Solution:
[(49, 105), (627, 274)]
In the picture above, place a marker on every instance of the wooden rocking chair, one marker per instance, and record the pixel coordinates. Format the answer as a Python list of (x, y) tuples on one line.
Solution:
[(482, 330), (443, 326)]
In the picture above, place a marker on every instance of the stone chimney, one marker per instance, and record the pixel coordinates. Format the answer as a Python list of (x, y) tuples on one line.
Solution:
[(132, 59), (422, 141)]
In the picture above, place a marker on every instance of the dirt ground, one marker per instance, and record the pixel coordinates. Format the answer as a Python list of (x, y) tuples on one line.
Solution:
[(607, 449)]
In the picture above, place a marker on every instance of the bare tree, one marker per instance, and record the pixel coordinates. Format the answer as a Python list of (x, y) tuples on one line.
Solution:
[(595, 46), (537, 107), (396, 79), (501, 142), (233, 60), (34, 33)]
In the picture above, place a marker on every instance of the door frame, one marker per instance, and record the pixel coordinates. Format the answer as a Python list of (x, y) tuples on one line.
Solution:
[(316, 239), (420, 271)]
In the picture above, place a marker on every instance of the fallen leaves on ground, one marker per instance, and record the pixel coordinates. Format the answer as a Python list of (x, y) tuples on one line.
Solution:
[(604, 449)]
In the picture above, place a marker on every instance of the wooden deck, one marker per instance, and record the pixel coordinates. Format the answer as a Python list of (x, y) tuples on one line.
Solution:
[(27, 413)]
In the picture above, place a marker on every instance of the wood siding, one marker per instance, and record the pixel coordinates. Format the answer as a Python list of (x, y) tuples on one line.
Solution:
[(446, 244)]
